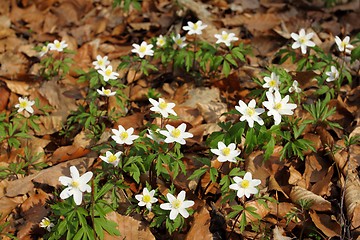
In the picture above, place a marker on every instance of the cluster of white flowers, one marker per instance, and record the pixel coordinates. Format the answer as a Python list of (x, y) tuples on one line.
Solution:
[(54, 46), (103, 67), (195, 29)]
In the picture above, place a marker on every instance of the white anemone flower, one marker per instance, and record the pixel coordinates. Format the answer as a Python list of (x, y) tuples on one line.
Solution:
[(162, 107), (245, 186), (302, 40), (332, 75), (122, 136), (176, 134), (295, 87), (58, 46), (46, 223), (177, 205), (108, 73), (179, 41), (272, 82), (160, 41), (76, 185), (143, 50), (226, 38), (344, 45), (195, 28), (146, 198), (226, 153), (278, 106), (44, 50), (105, 92), (110, 158), (250, 113), (25, 104), (101, 62)]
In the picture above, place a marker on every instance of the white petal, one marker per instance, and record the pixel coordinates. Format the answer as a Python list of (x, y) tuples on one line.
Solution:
[(86, 177), (66, 193), (181, 196), (248, 176), (77, 197), (187, 204), (74, 173), (65, 180), (166, 206), (173, 213), (184, 213)]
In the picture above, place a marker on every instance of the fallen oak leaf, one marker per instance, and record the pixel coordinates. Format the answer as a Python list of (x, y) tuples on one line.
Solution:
[(326, 224)]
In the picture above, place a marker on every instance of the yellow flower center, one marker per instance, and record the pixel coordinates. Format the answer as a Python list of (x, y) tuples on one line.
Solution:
[(226, 151), (124, 135), (278, 106), (245, 183), (108, 72), (23, 104), (142, 49), (195, 26), (107, 91), (75, 184), (57, 45), (176, 133), (146, 198), (250, 111), (101, 62), (44, 49), (161, 41), (272, 83), (46, 222), (225, 36), (176, 204), (179, 41), (302, 40), (163, 105), (112, 158)]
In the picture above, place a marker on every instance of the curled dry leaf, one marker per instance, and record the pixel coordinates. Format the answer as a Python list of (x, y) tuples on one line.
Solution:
[(296, 178), (130, 228), (318, 203), (352, 198), (326, 224)]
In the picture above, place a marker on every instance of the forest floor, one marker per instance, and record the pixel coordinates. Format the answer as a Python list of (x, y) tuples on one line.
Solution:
[(308, 166)]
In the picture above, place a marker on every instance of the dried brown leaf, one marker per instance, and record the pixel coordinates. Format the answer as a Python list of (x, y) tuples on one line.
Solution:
[(317, 203), (201, 225), (326, 224), (352, 198), (130, 228)]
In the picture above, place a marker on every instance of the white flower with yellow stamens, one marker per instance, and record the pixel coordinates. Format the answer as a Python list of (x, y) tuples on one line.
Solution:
[(76, 185), (101, 62), (176, 134), (110, 158), (272, 82), (25, 104), (108, 73), (162, 107), (250, 113), (177, 205), (122, 136), (245, 186), (58, 46), (146, 198), (226, 153), (226, 38), (278, 106), (195, 28), (302, 40), (105, 92), (143, 50)]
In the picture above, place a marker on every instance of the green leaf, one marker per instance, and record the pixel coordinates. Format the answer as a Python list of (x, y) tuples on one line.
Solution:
[(198, 173), (269, 148), (213, 174), (226, 68)]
